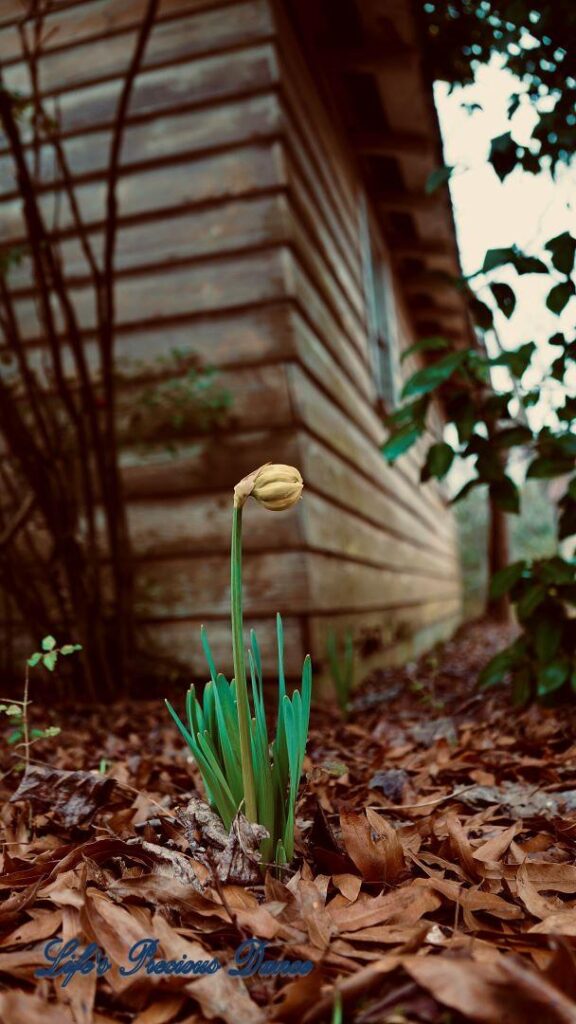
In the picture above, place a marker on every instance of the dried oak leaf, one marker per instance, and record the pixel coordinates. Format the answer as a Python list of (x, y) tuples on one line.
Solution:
[(21, 1008), (373, 845), (71, 797), (218, 995), (491, 993)]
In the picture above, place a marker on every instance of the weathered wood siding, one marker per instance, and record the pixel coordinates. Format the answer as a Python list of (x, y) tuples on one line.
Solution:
[(239, 238)]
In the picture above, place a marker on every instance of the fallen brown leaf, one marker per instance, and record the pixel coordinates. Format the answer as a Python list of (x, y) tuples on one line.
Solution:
[(492, 993)]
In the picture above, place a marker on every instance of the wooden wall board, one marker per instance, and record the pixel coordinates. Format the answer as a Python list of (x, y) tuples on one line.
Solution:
[(211, 286), (197, 34), (212, 463), (184, 238), (321, 417), (200, 180), (179, 641), (70, 24), (182, 588), (329, 527), (188, 132), (343, 484), (157, 92)]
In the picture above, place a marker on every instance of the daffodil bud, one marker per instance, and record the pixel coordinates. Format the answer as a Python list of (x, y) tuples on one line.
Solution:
[(275, 486)]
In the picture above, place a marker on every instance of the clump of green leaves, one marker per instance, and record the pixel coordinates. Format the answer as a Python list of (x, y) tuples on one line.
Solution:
[(184, 398), (495, 427), (341, 668), (49, 652), (542, 661), (212, 733)]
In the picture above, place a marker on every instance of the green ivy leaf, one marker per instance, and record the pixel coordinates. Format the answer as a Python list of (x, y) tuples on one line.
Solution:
[(517, 360), (441, 176), (432, 344), (505, 579), (563, 249), (552, 677), (529, 264), (503, 154), (498, 667), (530, 600), (567, 521), (429, 378), (559, 296), (522, 263), (505, 298), (506, 495), (439, 458), (521, 687), (547, 637), (482, 313), (556, 571), (48, 643), (543, 468), (51, 731), (49, 660), (400, 442), (35, 658), (498, 258), (510, 437), (557, 339)]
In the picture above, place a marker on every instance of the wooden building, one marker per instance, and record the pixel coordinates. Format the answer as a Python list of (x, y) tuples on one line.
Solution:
[(273, 219)]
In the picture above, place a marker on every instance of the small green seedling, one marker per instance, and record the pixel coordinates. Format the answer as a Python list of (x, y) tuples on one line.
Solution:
[(17, 710), (341, 668)]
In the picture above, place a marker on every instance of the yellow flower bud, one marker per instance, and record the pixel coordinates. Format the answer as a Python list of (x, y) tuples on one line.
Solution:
[(275, 486)]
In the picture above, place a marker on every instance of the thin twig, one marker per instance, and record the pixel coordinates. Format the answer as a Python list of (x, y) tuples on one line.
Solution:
[(19, 520)]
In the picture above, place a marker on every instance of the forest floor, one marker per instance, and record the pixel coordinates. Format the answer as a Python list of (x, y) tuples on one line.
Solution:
[(434, 883)]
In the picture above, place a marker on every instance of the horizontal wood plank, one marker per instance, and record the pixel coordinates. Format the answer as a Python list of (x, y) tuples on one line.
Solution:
[(201, 32), (313, 307), (207, 464), (321, 417), (327, 527), (176, 527), (381, 638), (253, 118), (156, 192), (291, 583), (326, 143), (152, 296), (159, 92), (184, 588), (259, 398), (179, 642), (175, 239), (343, 484), (72, 24), (335, 582)]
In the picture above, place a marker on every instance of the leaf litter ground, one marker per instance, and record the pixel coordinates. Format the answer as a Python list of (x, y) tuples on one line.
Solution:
[(435, 879)]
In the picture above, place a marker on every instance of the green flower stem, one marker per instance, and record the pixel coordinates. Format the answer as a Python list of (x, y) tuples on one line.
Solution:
[(250, 807)]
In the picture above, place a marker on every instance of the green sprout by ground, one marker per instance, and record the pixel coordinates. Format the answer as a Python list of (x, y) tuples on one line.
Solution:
[(22, 737)]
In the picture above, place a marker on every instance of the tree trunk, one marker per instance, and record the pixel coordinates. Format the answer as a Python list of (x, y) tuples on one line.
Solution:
[(498, 608)]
